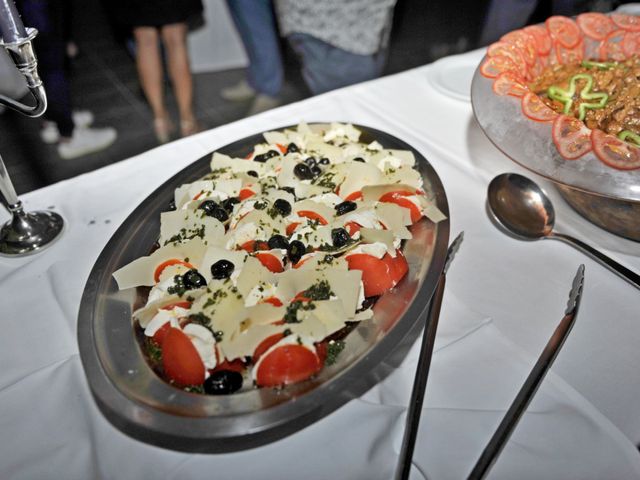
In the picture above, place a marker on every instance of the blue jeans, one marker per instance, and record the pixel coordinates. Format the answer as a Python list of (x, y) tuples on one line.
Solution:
[(325, 67), (256, 24)]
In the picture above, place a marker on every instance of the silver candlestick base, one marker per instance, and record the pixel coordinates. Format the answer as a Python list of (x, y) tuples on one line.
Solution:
[(28, 233), (25, 233)]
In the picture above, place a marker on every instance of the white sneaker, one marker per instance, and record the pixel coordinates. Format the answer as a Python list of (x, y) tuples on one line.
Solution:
[(262, 103), (85, 141), (50, 134), (239, 92)]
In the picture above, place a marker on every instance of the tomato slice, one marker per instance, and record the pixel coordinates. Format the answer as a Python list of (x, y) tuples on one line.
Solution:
[(563, 30), (541, 38), (180, 359), (158, 337), (171, 306), (246, 193), (568, 56), (312, 215), (270, 261), (525, 43), (571, 137), (595, 25), (352, 228), (511, 52), (168, 263), (275, 301), (236, 365), (287, 364), (254, 246), (631, 43), (398, 266), (376, 275), (354, 196), (626, 22), (265, 345), (292, 228), (612, 47), (282, 148), (509, 84), (396, 197), (614, 152), (534, 108), (321, 351), (494, 66)]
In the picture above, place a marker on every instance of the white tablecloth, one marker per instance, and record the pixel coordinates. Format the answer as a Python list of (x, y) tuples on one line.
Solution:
[(503, 299)]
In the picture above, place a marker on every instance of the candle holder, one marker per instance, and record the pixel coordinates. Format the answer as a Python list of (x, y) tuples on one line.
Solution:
[(25, 233)]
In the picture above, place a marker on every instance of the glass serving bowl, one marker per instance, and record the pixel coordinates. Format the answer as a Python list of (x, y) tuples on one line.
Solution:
[(608, 197)]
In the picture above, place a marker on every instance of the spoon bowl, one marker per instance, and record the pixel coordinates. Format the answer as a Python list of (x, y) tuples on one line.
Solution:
[(521, 208)]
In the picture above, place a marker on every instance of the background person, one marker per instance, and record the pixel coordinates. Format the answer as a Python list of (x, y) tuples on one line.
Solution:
[(339, 42), (256, 24), (166, 21)]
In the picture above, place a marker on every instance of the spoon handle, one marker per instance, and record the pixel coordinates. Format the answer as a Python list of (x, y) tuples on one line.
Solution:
[(620, 270)]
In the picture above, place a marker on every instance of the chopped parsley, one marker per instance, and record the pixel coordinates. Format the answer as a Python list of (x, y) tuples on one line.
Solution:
[(194, 389), (201, 319), (334, 348), (291, 314), (319, 291), (178, 288), (185, 234), (154, 352), (215, 298)]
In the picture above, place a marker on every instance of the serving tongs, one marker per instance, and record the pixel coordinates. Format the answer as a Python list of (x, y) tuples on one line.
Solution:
[(531, 384), (422, 372)]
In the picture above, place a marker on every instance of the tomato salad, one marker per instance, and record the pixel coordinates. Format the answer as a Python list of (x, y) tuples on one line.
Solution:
[(265, 264), (583, 77)]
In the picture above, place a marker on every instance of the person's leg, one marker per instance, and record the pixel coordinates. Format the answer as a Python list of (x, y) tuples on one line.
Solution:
[(256, 24), (325, 67), (174, 38), (149, 65)]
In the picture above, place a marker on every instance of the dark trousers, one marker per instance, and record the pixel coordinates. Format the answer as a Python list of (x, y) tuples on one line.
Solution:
[(50, 50)]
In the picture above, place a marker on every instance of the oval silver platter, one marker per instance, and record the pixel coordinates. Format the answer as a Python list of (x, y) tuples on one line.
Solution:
[(529, 144), (134, 399)]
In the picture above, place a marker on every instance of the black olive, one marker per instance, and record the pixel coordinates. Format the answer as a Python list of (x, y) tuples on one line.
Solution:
[(296, 250), (223, 382), (292, 148), (212, 209), (265, 156), (345, 207), (316, 170), (229, 203), (222, 269), (310, 161), (192, 279), (303, 172), (260, 205), (282, 206), (290, 190), (252, 173), (324, 161), (278, 241), (358, 159), (340, 237), (172, 206)]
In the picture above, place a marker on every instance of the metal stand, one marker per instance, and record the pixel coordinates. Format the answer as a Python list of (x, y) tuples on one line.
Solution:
[(25, 233)]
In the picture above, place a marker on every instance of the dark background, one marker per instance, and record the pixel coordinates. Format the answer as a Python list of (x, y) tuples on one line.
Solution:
[(104, 80)]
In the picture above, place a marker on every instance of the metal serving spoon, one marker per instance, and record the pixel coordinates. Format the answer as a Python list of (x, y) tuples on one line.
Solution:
[(522, 208)]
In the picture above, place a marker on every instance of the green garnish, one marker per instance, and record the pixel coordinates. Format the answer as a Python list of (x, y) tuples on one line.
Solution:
[(334, 348), (629, 137), (566, 97), (599, 65)]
